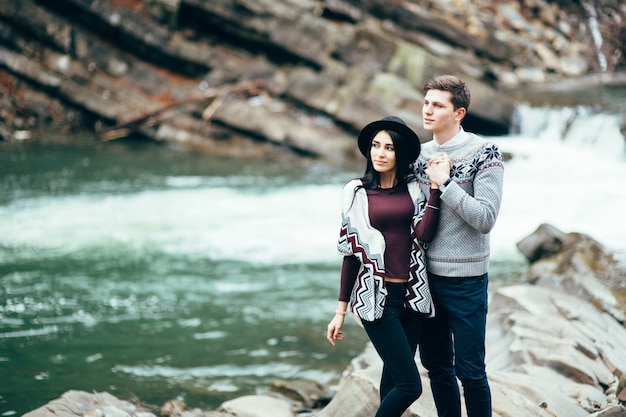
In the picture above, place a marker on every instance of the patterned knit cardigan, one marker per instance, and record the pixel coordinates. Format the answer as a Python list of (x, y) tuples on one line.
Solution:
[(358, 237)]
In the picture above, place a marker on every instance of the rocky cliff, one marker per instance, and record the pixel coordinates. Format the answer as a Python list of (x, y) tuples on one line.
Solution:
[(259, 78)]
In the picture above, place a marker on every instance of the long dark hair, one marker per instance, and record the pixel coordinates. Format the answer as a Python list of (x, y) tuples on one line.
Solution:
[(404, 174)]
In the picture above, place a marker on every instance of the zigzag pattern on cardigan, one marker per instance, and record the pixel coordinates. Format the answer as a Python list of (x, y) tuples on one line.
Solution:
[(370, 280), (369, 292), (418, 296)]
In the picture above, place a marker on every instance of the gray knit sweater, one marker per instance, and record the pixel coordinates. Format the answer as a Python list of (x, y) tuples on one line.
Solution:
[(469, 206)]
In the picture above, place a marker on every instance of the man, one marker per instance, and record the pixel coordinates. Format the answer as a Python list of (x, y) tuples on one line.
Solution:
[(453, 343)]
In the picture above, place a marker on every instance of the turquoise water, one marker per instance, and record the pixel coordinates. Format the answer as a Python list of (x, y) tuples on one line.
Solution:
[(147, 272)]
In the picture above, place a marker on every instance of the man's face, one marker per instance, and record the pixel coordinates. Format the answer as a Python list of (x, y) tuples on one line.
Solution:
[(438, 113)]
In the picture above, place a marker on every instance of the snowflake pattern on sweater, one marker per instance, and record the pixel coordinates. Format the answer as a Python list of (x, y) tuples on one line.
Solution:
[(470, 205)]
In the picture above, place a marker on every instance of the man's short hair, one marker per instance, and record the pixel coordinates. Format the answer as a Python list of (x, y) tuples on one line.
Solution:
[(458, 89)]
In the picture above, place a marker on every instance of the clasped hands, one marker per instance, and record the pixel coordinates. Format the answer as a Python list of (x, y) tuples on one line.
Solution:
[(438, 170)]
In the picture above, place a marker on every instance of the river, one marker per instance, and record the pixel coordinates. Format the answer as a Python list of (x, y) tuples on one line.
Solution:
[(157, 274)]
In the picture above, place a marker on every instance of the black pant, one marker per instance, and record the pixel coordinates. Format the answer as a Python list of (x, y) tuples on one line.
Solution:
[(395, 336), (454, 345)]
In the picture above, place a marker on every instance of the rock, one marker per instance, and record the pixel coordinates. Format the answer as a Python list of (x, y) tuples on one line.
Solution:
[(520, 394), (309, 394), (302, 136), (357, 395), (257, 406), (173, 408), (97, 404), (621, 389), (614, 411), (545, 241), (576, 264), (164, 11), (578, 341)]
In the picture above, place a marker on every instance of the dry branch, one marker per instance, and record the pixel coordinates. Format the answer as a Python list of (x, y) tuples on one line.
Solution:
[(124, 128)]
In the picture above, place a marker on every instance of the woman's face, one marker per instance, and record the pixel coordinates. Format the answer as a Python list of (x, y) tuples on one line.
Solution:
[(383, 153)]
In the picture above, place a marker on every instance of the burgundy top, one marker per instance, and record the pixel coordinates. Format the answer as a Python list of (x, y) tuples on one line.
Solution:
[(391, 211)]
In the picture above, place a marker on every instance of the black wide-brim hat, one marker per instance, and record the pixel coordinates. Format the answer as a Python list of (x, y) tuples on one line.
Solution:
[(389, 123)]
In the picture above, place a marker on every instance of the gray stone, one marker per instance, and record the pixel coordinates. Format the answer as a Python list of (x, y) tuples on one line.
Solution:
[(257, 406), (306, 393), (614, 411), (81, 403)]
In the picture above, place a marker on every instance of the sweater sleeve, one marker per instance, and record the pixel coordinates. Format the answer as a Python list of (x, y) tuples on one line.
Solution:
[(428, 225), (349, 270), (480, 210)]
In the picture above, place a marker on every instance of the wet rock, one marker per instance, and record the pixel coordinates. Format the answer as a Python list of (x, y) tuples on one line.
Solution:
[(574, 263), (614, 411), (307, 394), (357, 394), (97, 404), (544, 242), (257, 406), (173, 408)]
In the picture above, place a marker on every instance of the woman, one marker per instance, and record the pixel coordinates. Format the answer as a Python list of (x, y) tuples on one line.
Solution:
[(385, 219)]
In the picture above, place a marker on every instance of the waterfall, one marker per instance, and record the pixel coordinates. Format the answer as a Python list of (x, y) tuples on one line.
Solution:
[(562, 160), (595, 33), (578, 126)]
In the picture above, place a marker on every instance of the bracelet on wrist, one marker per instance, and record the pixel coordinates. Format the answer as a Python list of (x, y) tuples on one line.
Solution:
[(343, 313), (446, 182)]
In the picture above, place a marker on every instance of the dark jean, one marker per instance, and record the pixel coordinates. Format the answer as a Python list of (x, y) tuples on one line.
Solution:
[(453, 345), (395, 336)]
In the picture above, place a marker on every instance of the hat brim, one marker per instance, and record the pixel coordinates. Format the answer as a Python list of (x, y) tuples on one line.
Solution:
[(412, 140)]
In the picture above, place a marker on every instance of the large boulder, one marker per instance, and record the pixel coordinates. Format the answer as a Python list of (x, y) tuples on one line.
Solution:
[(574, 263), (257, 406), (92, 404)]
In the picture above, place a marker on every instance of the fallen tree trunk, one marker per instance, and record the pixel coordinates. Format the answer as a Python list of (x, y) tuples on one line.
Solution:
[(126, 127)]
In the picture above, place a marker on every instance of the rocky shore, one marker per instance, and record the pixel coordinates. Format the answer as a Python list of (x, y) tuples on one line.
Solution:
[(555, 347), (289, 78)]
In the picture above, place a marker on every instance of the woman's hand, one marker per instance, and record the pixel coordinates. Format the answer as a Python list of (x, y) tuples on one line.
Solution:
[(438, 170), (334, 329)]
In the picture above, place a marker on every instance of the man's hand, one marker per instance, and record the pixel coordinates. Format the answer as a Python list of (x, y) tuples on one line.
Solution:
[(438, 170)]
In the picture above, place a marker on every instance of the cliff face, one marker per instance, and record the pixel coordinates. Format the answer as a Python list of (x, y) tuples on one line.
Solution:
[(246, 77)]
